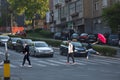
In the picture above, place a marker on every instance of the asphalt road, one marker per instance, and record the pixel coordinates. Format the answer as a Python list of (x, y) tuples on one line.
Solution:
[(96, 68)]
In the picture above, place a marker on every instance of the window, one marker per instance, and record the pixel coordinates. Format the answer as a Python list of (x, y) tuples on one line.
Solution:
[(79, 6), (104, 3), (72, 8), (96, 5)]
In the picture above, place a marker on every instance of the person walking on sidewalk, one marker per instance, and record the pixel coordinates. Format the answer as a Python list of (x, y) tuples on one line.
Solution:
[(70, 52), (26, 55)]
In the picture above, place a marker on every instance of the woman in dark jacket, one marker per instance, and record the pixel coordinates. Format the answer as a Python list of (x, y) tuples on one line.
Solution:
[(26, 55)]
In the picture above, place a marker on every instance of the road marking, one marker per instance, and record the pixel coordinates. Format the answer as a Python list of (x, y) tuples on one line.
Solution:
[(39, 64), (56, 62), (96, 61), (13, 66), (44, 62), (76, 62)]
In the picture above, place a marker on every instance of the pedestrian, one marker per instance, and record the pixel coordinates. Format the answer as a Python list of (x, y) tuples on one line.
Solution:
[(26, 55), (90, 49), (70, 52)]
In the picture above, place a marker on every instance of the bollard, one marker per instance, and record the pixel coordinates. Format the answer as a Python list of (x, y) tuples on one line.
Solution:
[(6, 70), (6, 65)]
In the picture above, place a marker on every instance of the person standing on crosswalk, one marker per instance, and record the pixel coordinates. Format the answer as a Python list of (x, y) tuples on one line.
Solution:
[(26, 55), (70, 52)]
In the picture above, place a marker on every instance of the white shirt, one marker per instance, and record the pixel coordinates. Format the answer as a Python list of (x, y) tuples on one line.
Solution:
[(70, 48)]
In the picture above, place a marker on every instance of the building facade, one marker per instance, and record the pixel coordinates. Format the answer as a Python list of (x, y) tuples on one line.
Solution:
[(80, 15)]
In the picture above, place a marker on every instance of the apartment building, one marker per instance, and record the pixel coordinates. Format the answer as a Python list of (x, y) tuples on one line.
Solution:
[(73, 14), (98, 24), (80, 15)]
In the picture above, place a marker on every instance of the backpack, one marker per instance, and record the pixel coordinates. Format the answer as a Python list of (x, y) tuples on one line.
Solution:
[(73, 48)]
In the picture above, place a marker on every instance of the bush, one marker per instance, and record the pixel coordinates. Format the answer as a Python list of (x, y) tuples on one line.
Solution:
[(105, 50), (46, 34), (51, 42)]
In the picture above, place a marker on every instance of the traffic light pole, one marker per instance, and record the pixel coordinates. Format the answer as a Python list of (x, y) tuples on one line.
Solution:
[(6, 65)]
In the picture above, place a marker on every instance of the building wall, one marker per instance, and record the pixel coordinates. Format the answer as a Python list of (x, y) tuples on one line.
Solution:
[(81, 15)]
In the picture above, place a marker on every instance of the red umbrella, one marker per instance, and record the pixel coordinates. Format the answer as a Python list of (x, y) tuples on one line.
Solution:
[(102, 38)]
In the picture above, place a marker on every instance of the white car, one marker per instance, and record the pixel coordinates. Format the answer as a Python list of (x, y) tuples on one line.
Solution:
[(3, 39), (41, 48)]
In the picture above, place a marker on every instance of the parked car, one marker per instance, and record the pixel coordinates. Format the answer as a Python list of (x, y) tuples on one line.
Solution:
[(83, 37), (3, 40), (80, 50), (20, 44), (40, 49), (67, 33), (12, 42), (75, 36), (57, 35), (91, 38), (113, 39)]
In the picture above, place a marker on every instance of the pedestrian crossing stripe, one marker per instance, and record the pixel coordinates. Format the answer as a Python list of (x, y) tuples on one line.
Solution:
[(13, 66), (41, 65), (59, 62), (44, 62)]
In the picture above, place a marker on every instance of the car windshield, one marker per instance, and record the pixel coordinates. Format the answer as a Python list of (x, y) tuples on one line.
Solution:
[(114, 36), (28, 41), (75, 34), (41, 45), (77, 44), (4, 37), (83, 34), (14, 39)]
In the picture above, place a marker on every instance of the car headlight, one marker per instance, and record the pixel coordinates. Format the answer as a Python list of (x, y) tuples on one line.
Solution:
[(37, 50), (51, 50), (76, 50)]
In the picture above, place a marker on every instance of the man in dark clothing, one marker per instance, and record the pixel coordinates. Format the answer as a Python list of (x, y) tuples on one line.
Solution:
[(26, 55), (90, 49)]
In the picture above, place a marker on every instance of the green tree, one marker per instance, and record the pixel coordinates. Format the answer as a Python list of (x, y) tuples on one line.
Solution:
[(29, 7), (111, 15)]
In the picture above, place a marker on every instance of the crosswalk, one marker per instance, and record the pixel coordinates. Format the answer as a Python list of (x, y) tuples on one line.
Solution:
[(61, 62)]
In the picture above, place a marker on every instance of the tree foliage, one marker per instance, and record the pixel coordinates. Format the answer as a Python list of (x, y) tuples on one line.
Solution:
[(29, 7), (111, 15)]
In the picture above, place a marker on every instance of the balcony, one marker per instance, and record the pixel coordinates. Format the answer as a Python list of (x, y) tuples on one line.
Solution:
[(63, 19), (58, 5), (75, 14)]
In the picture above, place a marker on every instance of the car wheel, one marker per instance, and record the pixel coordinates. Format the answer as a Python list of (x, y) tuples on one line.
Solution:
[(51, 55)]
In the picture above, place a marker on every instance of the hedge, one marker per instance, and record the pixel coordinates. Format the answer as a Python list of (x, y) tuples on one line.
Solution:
[(105, 50)]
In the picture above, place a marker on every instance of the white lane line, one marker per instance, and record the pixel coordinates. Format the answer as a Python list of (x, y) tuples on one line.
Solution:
[(96, 61), (86, 61), (76, 62), (13, 66), (56, 62), (48, 63), (110, 61), (41, 65)]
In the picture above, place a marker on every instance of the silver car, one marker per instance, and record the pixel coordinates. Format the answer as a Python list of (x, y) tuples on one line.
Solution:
[(3, 40), (41, 49)]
